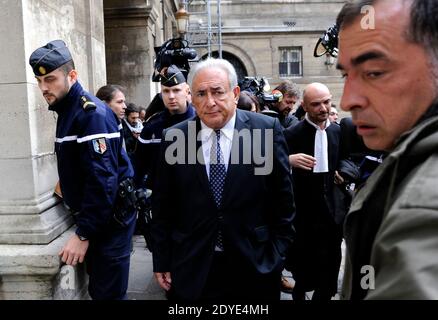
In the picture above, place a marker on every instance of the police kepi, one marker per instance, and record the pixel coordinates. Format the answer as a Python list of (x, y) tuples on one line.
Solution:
[(50, 57), (172, 76), (94, 172)]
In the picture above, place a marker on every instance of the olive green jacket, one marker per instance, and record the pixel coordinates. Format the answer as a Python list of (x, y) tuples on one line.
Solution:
[(391, 230)]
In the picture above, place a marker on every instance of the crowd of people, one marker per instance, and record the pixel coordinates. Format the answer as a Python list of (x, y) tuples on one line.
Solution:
[(225, 224)]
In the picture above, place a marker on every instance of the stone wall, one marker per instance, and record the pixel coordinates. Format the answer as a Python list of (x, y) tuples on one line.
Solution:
[(31, 218), (132, 29)]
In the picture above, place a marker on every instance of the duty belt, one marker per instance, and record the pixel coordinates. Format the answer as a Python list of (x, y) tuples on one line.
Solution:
[(125, 202)]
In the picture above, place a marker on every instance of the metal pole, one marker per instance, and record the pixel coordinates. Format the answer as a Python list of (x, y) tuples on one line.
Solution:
[(219, 30), (209, 28), (182, 3)]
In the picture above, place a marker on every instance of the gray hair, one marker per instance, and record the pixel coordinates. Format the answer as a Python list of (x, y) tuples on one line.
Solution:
[(211, 63)]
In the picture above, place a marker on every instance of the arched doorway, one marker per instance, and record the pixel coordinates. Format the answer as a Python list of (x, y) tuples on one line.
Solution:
[(235, 61)]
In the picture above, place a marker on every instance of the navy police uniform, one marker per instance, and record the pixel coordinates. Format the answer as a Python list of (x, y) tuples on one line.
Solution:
[(91, 165), (150, 138)]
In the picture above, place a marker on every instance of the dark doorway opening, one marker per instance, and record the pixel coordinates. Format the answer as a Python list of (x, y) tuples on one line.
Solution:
[(235, 61)]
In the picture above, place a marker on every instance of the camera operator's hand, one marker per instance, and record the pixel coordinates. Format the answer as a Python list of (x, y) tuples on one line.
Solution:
[(338, 178), (302, 161)]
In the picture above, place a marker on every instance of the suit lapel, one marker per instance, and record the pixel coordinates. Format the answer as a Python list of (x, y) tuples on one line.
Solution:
[(242, 122)]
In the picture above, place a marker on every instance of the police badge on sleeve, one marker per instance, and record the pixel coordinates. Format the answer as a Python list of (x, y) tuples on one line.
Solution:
[(99, 145)]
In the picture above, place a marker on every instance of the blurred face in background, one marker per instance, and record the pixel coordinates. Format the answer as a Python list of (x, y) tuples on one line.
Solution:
[(117, 104), (333, 115), (286, 105), (133, 118), (142, 115)]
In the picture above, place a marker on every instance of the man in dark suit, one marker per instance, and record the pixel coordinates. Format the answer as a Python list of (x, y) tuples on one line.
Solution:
[(314, 146), (223, 203)]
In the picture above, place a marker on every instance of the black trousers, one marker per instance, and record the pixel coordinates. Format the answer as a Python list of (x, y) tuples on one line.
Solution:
[(231, 280), (107, 261)]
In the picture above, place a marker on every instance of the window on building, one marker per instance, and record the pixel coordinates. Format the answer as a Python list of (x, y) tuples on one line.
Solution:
[(291, 62)]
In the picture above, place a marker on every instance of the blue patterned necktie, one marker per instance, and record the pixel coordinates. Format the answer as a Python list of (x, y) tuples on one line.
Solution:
[(217, 176)]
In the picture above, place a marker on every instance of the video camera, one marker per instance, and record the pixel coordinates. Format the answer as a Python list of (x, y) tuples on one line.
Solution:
[(260, 88), (173, 51), (328, 43)]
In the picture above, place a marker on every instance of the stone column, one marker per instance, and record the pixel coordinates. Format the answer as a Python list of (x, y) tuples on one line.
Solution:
[(132, 29), (33, 222)]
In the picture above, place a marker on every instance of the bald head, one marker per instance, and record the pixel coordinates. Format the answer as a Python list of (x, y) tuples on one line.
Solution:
[(317, 102), (315, 89)]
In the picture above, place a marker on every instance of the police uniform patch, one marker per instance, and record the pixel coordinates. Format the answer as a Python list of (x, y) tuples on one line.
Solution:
[(87, 104), (99, 145)]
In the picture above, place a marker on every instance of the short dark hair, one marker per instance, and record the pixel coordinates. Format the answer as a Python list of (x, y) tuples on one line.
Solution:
[(423, 24), (246, 99), (131, 108), (107, 93), (350, 11), (423, 27), (289, 88), (67, 67)]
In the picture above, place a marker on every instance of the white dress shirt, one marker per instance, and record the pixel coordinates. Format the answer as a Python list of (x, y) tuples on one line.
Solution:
[(321, 147), (226, 140)]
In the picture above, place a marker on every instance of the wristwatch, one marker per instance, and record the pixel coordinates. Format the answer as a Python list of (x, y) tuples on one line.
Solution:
[(82, 238)]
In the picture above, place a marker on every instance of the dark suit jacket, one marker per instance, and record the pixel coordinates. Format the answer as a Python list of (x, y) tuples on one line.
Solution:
[(301, 139), (255, 215)]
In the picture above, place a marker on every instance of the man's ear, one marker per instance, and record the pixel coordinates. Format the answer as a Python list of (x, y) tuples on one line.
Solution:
[(236, 92), (73, 74)]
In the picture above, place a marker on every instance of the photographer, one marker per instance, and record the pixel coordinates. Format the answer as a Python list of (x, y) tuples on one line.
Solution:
[(284, 107)]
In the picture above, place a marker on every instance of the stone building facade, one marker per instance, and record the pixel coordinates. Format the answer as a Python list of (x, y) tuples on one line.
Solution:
[(132, 29), (276, 39), (258, 36)]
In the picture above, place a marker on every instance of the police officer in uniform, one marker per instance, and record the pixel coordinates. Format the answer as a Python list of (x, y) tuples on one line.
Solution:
[(174, 92), (95, 173)]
